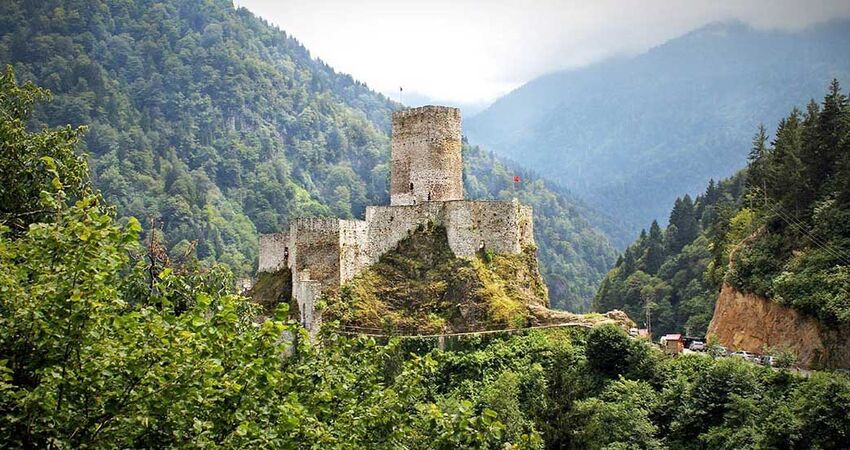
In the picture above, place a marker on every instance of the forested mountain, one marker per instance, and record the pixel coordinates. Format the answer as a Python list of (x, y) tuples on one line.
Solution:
[(671, 270), (779, 229), (103, 344), (219, 127), (631, 134)]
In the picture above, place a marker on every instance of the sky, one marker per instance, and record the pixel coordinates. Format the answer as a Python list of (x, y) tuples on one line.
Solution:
[(468, 53)]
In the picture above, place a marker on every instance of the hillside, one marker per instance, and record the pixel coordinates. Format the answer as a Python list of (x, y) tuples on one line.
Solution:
[(101, 346), (673, 268), (212, 126), (631, 134), (777, 231)]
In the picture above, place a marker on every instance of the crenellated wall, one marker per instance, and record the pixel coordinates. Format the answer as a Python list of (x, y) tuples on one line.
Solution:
[(324, 253), (426, 163), (426, 186)]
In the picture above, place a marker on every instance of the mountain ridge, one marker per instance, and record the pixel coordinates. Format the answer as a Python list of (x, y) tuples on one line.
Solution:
[(614, 131), (211, 126)]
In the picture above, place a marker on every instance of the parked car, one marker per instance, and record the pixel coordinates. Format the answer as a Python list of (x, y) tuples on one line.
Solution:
[(718, 350), (697, 346), (744, 355), (768, 360)]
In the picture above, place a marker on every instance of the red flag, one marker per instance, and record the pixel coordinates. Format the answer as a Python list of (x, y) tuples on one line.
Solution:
[(516, 178)]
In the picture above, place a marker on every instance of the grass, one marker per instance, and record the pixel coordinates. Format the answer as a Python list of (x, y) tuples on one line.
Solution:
[(422, 287)]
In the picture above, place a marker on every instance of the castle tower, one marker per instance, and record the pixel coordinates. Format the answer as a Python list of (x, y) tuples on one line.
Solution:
[(426, 164)]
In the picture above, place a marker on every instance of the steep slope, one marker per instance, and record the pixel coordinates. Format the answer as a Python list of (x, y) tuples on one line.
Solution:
[(756, 324), (421, 287), (674, 269), (778, 232), (632, 134), (211, 125)]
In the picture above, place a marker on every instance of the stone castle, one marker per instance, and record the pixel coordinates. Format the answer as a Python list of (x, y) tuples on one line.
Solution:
[(426, 187)]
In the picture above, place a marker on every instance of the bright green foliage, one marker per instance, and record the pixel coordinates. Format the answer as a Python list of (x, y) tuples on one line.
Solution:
[(33, 160), (799, 249), (618, 418), (787, 231)]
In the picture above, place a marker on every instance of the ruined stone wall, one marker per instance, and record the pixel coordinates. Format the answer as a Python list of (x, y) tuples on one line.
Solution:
[(314, 262), (503, 227), (324, 253), (273, 248), (353, 253), (316, 250), (306, 292), (500, 227), (388, 225), (426, 163)]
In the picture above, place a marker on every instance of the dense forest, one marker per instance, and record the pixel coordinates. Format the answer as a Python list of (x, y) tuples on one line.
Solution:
[(212, 126), (630, 134), (106, 342), (780, 229)]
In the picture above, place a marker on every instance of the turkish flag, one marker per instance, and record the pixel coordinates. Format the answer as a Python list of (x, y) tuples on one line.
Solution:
[(516, 178)]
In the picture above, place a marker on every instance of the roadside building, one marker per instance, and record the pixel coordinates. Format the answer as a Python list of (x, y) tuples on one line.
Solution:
[(673, 343)]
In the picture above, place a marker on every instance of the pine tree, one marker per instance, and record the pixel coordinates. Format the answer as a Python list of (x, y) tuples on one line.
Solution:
[(654, 256), (831, 128), (684, 222), (757, 159), (785, 175)]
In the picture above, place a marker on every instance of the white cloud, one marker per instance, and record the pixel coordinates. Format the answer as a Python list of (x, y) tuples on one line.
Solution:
[(472, 51)]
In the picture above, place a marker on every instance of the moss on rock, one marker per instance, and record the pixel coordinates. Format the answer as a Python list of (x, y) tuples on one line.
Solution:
[(421, 286), (273, 288)]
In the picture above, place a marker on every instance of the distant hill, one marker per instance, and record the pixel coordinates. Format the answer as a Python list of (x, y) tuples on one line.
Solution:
[(219, 126), (631, 134)]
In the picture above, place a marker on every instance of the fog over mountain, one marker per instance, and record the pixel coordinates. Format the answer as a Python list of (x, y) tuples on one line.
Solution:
[(631, 134)]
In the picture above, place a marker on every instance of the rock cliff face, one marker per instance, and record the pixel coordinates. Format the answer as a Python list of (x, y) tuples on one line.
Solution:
[(753, 323)]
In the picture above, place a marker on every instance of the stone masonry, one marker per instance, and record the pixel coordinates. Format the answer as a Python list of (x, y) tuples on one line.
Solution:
[(426, 186)]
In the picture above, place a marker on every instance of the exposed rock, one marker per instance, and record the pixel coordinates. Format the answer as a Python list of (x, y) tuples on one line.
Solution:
[(755, 324), (541, 315), (421, 286)]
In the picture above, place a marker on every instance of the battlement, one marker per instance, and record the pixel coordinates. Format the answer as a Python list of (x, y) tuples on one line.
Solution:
[(426, 188), (427, 111), (425, 163), (315, 224)]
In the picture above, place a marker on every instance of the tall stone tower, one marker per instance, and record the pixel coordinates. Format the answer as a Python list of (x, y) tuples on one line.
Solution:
[(426, 164)]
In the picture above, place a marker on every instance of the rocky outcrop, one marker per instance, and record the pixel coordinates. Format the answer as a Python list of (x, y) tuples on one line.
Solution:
[(541, 315), (752, 323)]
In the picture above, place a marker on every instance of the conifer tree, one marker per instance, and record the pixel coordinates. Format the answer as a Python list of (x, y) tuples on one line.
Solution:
[(683, 223), (655, 254), (757, 159)]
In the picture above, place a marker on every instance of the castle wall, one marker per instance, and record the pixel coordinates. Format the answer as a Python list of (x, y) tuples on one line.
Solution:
[(388, 225), (273, 252), (426, 163), (500, 227), (503, 227), (426, 186), (314, 261), (316, 244), (353, 252)]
